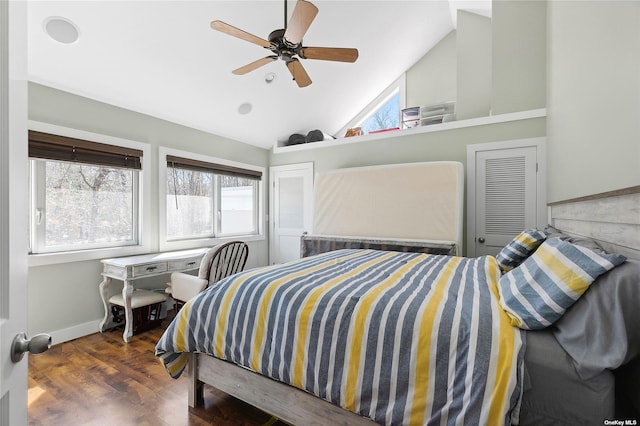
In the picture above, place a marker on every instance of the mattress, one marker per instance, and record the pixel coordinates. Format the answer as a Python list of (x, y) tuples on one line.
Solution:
[(553, 392), (421, 201)]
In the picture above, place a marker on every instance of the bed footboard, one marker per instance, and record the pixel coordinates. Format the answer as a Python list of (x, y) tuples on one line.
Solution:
[(290, 404)]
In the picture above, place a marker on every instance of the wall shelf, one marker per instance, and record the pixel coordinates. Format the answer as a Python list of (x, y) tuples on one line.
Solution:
[(451, 125)]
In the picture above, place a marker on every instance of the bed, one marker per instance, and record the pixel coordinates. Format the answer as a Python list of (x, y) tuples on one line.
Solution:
[(356, 335)]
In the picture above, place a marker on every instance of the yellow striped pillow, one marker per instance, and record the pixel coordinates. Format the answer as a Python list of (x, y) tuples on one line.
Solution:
[(539, 291), (521, 247)]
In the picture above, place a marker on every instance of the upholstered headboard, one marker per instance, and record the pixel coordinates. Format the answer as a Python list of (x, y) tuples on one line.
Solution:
[(411, 201)]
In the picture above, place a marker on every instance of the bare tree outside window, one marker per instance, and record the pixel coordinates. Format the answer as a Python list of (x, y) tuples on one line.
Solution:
[(87, 204), (189, 203), (385, 117), (193, 197)]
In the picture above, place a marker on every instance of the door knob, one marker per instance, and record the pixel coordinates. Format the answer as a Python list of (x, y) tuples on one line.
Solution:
[(36, 345), (481, 240)]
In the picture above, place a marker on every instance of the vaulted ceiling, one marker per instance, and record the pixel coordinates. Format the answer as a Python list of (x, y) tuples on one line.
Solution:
[(162, 58)]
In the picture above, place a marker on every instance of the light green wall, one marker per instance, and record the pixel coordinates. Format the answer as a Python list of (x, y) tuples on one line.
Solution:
[(593, 97), (65, 109), (519, 51), (65, 296), (473, 72), (433, 78)]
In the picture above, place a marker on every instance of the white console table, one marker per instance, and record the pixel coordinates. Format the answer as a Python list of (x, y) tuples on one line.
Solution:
[(131, 268)]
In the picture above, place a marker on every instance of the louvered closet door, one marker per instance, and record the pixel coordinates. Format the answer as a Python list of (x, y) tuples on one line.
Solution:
[(505, 196)]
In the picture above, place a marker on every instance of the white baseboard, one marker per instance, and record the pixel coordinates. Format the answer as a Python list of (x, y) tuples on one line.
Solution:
[(91, 327), (80, 330)]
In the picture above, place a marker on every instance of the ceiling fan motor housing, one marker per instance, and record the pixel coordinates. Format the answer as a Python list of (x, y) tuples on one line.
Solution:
[(281, 47)]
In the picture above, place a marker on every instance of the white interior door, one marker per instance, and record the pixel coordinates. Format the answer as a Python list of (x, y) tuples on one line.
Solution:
[(505, 193), (291, 209), (13, 208)]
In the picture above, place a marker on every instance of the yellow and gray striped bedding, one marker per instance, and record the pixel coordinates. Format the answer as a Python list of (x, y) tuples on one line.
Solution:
[(401, 338)]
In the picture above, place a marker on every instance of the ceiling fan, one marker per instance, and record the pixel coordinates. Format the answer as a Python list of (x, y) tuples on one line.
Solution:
[(286, 44)]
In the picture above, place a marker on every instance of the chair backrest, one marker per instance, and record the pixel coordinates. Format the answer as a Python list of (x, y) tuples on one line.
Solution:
[(228, 259)]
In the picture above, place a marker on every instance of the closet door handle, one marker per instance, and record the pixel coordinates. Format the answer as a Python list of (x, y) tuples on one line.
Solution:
[(481, 240)]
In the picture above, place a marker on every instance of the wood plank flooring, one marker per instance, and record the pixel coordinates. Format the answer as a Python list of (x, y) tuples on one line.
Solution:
[(100, 380)]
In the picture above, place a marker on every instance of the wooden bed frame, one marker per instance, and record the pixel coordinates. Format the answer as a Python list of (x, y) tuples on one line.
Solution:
[(611, 218)]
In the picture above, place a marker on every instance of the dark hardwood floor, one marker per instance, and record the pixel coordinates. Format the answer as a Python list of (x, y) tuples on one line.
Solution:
[(100, 380)]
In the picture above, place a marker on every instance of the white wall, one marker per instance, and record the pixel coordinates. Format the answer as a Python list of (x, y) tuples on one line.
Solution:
[(593, 126)]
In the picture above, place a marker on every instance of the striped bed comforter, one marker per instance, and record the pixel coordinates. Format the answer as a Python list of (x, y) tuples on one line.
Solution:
[(401, 338)]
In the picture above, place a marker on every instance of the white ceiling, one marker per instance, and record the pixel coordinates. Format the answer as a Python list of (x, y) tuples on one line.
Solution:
[(162, 58)]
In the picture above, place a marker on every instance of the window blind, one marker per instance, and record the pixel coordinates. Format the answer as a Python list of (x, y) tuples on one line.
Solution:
[(62, 148), (222, 169)]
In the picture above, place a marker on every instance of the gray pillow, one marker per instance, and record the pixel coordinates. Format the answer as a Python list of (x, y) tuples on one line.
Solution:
[(601, 330), (579, 241)]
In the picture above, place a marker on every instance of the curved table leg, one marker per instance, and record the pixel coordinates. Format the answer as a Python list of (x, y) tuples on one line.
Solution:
[(127, 291), (104, 293)]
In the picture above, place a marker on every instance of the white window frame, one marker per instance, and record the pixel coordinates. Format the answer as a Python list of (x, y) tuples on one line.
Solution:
[(143, 197), (398, 85), (38, 177), (163, 175)]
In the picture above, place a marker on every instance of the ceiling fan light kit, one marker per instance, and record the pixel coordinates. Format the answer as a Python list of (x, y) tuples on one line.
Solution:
[(286, 44)]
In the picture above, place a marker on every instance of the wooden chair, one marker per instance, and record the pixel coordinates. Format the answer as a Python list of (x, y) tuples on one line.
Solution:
[(219, 262)]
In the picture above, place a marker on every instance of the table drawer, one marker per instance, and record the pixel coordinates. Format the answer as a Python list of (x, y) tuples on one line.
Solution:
[(149, 268), (115, 271), (183, 264)]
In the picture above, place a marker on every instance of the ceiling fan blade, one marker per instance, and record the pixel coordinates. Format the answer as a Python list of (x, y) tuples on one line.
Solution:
[(303, 15), (340, 54), (236, 32), (298, 72), (253, 65)]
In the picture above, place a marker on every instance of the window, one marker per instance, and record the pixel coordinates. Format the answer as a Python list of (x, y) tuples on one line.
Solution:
[(190, 204), (383, 112), (85, 195), (386, 116), (207, 198), (238, 201), (83, 206)]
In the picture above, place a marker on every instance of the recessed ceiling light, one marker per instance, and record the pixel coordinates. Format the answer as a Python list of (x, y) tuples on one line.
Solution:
[(61, 29), (270, 77), (245, 108)]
